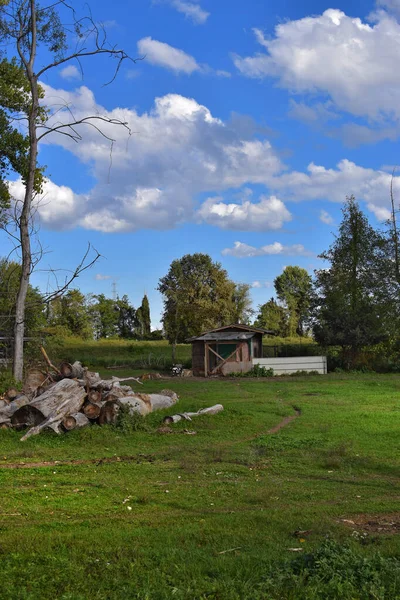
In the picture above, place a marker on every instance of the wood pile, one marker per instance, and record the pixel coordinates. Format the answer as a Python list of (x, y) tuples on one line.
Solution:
[(70, 397)]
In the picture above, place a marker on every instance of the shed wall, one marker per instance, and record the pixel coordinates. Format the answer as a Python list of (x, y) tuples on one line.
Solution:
[(285, 366), (198, 358)]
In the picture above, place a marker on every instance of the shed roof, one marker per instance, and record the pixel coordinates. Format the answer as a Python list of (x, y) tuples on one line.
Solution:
[(223, 333), (214, 336)]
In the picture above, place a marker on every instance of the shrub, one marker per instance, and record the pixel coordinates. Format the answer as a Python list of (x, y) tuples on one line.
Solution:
[(256, 371)]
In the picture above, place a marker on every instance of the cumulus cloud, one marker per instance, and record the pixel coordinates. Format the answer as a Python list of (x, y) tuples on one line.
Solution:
[(176, 151), (164, 55), (320, 183), (241, 250), (325, 217), (267, 214), (191, 10), (352, 62), (70, 72)]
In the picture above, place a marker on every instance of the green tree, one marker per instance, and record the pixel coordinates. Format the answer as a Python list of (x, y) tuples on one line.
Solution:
[(10, 272), (357, 295), (273, 317), (127, 318), (294, 289), (242, 309), (143, 319), (71, 313), (105, 316), (197, 296)]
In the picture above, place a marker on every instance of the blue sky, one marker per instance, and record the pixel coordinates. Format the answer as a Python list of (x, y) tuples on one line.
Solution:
[(251, 122)]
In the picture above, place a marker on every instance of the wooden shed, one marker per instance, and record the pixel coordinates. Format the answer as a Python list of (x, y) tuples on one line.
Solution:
[(229, 349)]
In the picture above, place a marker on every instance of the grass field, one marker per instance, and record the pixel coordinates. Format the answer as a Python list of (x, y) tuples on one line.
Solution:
[(148, 516)]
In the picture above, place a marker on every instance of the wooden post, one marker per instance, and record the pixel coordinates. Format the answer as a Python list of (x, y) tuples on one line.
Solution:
[(205, 359)]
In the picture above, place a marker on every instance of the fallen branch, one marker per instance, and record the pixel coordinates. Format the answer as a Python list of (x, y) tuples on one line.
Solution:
[(187, 416)]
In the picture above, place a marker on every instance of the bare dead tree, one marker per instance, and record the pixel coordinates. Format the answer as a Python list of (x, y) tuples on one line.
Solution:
[(26, 25), (394, 230)]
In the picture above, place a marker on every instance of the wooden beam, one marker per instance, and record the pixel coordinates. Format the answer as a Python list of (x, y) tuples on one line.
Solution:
[(205, 359), (223, 362), (216, 354)]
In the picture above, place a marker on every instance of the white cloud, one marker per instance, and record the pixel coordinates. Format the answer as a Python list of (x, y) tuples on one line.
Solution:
[(176, 151), (392, 6), (261, 284), (267, 214), (320, 183), (191, 10), (325, 217), (241, 250), (100, 277), (354, 63), (70, 72), (164, 55)]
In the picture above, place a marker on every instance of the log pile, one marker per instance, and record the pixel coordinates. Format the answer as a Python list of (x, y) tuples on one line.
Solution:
[(69, 397)]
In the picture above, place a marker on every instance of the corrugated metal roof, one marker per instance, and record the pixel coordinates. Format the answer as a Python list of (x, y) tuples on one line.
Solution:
[(224, 336)]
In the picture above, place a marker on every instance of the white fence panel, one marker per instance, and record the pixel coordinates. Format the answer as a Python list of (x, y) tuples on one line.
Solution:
[(287, 365)]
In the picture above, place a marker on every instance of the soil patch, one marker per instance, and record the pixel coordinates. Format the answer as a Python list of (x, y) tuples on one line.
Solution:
[(377, 524)]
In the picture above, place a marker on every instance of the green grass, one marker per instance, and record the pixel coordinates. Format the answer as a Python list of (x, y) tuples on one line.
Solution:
[(67, 531)]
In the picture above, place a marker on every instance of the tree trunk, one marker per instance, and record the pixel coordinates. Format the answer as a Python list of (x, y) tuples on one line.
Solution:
[(26, 253)]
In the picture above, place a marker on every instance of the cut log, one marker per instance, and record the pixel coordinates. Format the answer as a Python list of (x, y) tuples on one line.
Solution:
[(187, 416), (34, 380), (8, 411), (136, 404), (75, 421), (161, 401), (74, 371), (170, 393), (94, 396), (3, 403), (64, 398), (92, 410), (109, 413)]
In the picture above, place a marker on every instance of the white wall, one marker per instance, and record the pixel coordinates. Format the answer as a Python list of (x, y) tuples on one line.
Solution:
[(282, 366)]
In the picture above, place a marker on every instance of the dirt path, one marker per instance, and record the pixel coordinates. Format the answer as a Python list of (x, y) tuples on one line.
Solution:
[(285, 421), (138, 458)]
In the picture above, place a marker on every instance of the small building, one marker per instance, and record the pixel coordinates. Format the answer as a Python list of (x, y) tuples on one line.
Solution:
[(229, 349)]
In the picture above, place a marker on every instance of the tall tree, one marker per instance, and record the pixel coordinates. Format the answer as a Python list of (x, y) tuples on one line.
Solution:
[(242, 309), (197, 296), (127, 318), (294, 289), (25, 26), (143, 319), (272, 316), (105, 316), (357, 295)]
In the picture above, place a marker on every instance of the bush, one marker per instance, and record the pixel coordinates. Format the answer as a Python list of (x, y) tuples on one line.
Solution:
[(256, 371), (336, 571), (128, 422)]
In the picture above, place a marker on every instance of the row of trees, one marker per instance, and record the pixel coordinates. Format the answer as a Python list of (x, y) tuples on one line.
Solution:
[(73, 313)]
